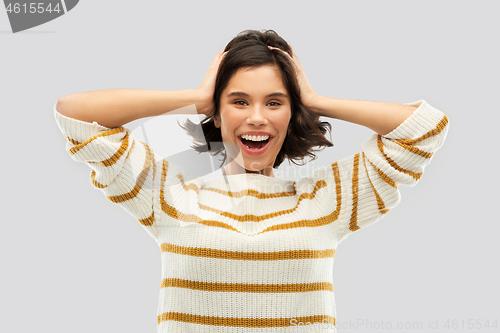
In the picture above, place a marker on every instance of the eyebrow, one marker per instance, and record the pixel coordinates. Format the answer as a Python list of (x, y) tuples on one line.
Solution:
[(242, 94)]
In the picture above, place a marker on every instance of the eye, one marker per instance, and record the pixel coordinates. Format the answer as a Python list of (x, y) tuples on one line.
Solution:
[(238, 102), (275, 103)]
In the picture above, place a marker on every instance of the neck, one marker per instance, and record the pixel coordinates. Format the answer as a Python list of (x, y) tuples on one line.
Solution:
[(234, 168)]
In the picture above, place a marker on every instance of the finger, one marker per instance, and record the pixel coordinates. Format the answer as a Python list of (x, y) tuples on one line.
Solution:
[(294, 60), (218, 58), (286, 53), (276, 48)]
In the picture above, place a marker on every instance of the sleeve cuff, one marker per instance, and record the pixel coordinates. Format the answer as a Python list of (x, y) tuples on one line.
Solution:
[(77, 129), (425, 117)]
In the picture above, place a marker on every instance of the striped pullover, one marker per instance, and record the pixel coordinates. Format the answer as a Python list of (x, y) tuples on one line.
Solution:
[(251, 253)]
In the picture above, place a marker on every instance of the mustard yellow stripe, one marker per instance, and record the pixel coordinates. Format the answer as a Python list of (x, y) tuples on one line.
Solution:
[(239, 194), (149, 220), (253, 193), (304, 223), (176, 214), (246, 288), (238, 255), (384, 177), (73, 141), (415, 175), (75, 149), (439, 127), (170, 210), (190, 187), (107, 162), (242, 322), (319, 221), (257, 218), (380, 202), (116, 156), (140, 181), (112, 160), (338, 187), (414, 150), (93, 173), (95, 182), (353, 224)]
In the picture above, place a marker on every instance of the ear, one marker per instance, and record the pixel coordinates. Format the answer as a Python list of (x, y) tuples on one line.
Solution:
[(216, 121)]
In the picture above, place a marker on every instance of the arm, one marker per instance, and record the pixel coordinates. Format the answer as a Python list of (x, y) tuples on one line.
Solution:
[(407, 138), (369, 180), (123, 168), (364, 187), (127, 170), (115, 107), (382, 117)]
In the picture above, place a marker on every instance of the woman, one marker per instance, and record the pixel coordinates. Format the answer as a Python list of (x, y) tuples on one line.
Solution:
[(249, 252)]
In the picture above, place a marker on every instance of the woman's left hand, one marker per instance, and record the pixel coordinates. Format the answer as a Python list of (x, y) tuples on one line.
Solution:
[(307, 95)]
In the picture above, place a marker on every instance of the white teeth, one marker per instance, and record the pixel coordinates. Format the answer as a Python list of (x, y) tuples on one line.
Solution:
[(255, 138)]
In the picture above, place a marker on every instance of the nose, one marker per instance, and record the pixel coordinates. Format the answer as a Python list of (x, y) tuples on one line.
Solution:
[(257, 115)]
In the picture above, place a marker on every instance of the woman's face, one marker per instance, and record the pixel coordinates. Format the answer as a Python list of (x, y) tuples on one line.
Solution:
[(255, 102)]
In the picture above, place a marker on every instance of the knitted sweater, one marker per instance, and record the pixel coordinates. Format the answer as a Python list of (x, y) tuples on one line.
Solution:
[(251, 253)]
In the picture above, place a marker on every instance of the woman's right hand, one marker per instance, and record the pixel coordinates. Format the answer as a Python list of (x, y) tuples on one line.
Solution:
[(205, 91)]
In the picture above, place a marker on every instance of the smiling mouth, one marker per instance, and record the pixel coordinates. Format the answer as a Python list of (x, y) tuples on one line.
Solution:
[(254, 145)]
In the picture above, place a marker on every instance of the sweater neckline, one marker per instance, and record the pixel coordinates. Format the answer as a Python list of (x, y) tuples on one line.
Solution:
[(254, 181)]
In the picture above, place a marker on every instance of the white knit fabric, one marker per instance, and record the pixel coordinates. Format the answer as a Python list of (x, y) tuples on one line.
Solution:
[(250, 253)]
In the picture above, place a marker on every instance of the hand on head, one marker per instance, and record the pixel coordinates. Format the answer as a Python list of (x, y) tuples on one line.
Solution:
[(306, 92), (205, 91)]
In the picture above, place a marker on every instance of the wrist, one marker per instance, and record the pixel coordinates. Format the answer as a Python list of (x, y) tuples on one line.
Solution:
[(313, 103), (202, 99)]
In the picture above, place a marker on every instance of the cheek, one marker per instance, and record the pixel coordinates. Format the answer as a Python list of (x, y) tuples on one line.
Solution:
[(284, 122), (228, 123), (232, 120)]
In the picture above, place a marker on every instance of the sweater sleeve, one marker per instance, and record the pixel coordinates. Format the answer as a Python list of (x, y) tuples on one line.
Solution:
[(126, 170), (366, 184)]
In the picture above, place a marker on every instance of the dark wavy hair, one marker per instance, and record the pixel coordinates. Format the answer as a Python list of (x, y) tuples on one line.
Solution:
[(250, 49)]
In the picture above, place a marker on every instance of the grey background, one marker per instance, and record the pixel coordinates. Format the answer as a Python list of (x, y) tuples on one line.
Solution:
[(71, 261)]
